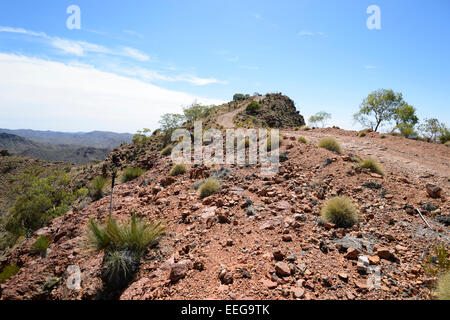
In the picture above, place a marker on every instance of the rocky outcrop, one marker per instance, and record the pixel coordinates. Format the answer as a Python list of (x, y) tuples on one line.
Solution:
[(275, 111)]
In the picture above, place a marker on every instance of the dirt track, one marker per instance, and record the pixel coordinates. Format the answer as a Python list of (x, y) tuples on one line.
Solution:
[(419, 161), (226, 119)]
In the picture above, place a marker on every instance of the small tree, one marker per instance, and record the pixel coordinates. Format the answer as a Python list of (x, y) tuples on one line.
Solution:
[(433, 130), (195, 112), (169, 122), (320, 117), (379, 106), (238, 97), (405, 119)]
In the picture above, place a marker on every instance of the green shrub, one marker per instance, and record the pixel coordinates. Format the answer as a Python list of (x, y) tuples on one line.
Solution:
[(341, 211), (124, 244), (373, 165), (40, 245), (8, 272), (302, 140), (135, 235), (43, 199), (97, 186), (253, 108), (210, 186), (132, 173), (330, 144), (443, 287), (178, 169), (167, 150)]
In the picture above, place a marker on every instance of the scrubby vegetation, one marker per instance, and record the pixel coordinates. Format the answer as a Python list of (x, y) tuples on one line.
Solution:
[(124, 244), (302, 140), (330, 144), (178, 169), (209, 187), (97, 186), (373, 165), (43, 199), (8, 272), (341, 211), (132, 173), (438, 262), (253, 108), (40, 245)]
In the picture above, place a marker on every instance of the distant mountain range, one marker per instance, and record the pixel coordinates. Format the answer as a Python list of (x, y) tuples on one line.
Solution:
[(77, 148), (95, 139)]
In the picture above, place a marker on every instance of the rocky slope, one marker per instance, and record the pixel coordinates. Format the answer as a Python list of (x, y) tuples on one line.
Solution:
[(261, 238)]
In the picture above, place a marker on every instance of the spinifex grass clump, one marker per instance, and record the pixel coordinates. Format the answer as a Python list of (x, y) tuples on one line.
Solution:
[(443, 287), (210, 186), (97, 186), (178, 169), (302, 140), (330, 144), (8, 272), (132, 173), (372, 165), (40, 245), (340, 211), (124, 244)]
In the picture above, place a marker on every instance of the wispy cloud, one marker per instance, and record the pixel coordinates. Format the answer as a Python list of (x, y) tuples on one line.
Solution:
[(152, 75), (369, 67), (306, 33), (91, 53), (134, 33), (80, 48), (23, 31)]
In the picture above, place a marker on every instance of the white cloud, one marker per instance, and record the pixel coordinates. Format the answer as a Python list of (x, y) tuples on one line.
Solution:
[(256, 15), (80, 48), (369, 67), (41, 94)]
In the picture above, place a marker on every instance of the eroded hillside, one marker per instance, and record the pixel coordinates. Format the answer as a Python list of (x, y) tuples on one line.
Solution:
[(259, 237)]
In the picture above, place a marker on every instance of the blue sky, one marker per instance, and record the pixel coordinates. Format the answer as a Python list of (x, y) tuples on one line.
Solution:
[(134, 60)]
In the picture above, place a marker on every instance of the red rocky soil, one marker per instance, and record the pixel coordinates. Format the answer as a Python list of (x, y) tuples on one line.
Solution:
[(260, 238)]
